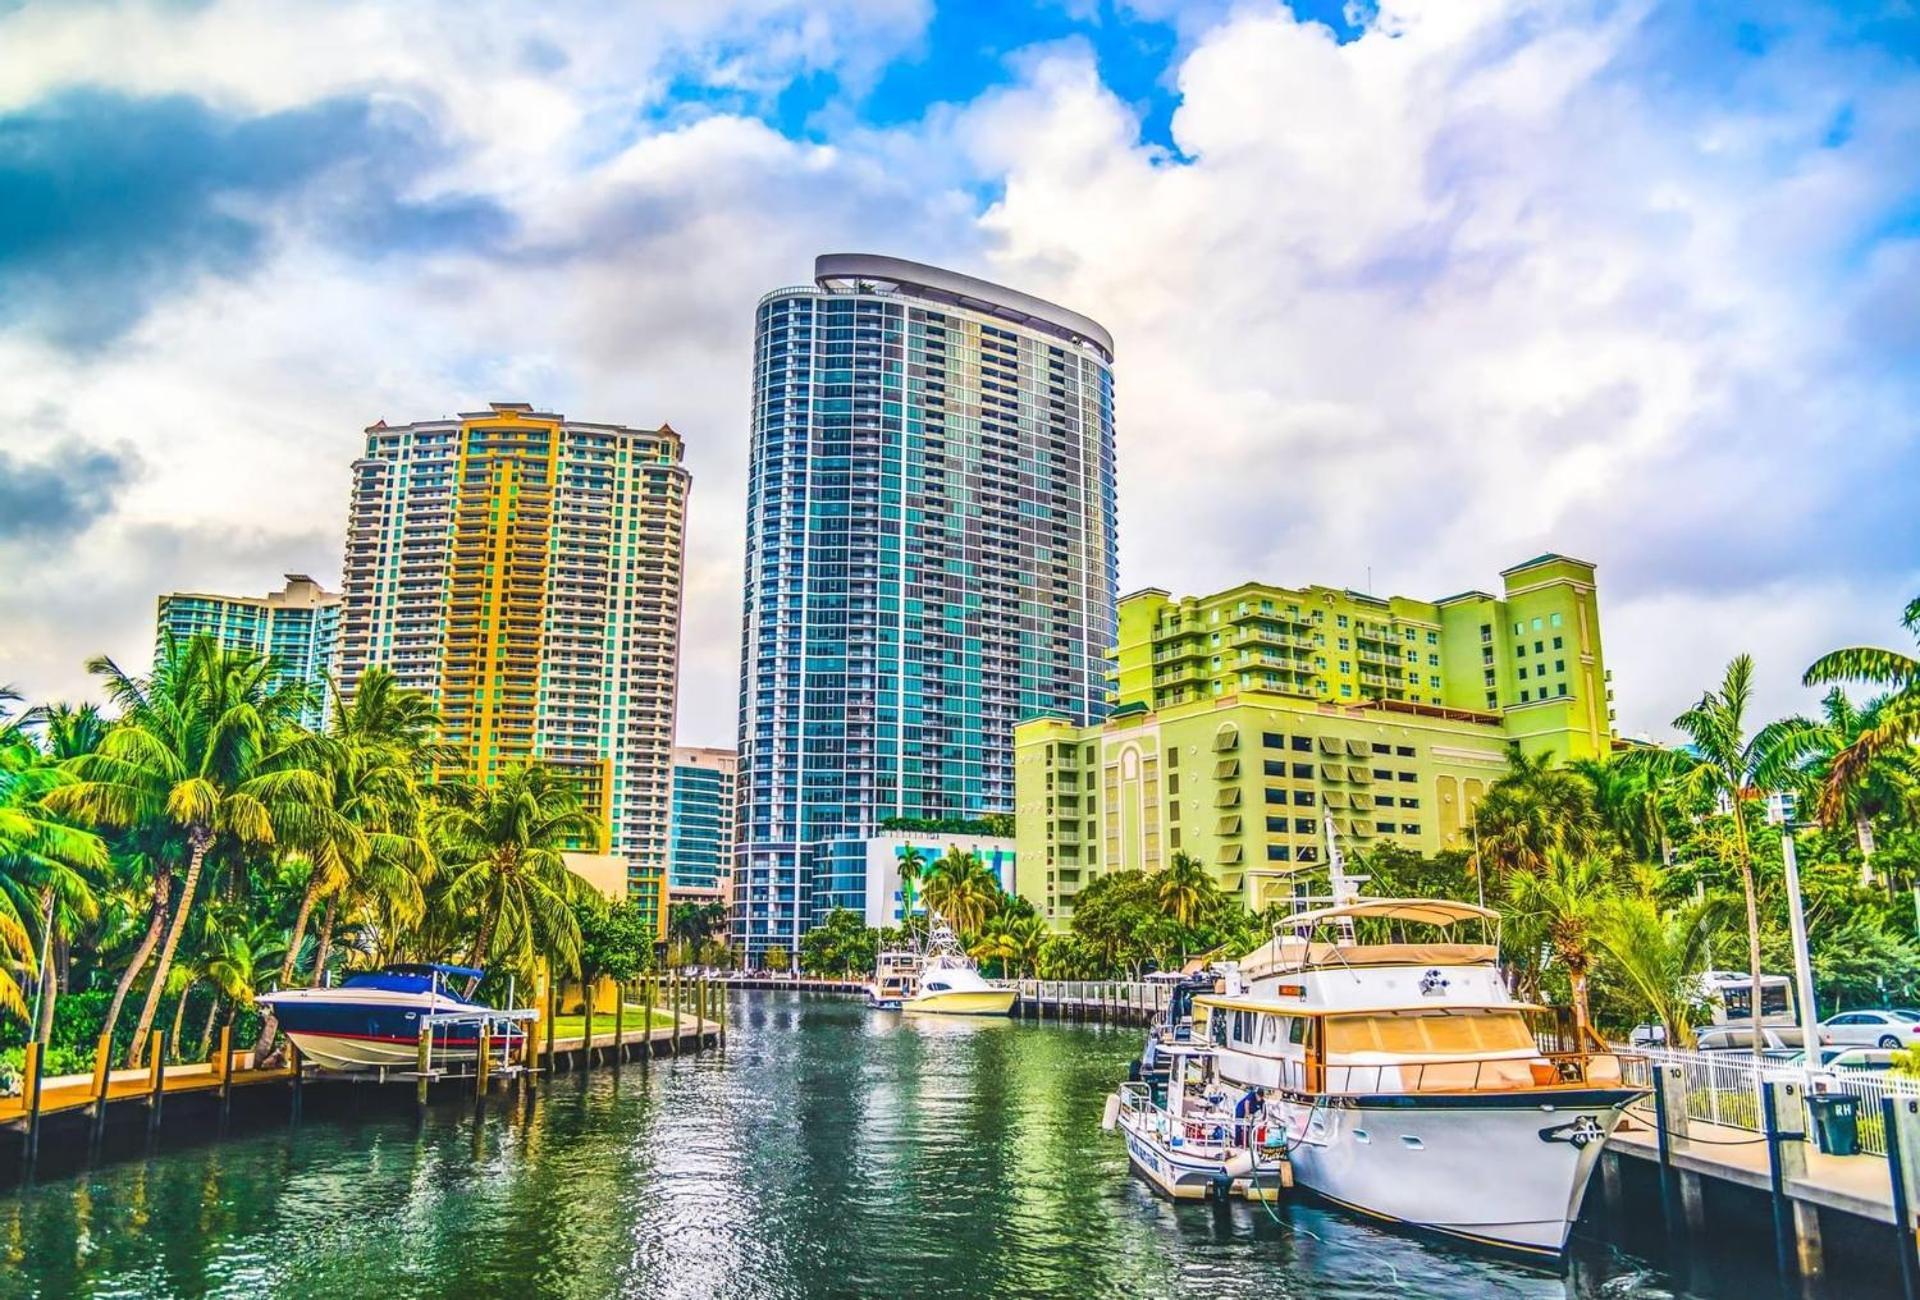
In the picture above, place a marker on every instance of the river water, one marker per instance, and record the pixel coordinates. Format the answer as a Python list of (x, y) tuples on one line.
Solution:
[(828, 1151)]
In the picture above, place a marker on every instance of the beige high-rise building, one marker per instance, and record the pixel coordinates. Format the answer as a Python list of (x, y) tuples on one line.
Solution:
[(525, 570)]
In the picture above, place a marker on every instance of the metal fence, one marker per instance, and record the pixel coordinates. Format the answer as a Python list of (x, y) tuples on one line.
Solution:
[(1724, 1088), (1130, 997)]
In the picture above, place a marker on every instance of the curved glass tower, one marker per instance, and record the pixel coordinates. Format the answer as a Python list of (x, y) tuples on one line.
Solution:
[(930, 559)]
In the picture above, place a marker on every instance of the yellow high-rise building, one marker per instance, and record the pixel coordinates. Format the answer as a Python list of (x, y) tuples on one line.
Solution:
[(524, 569)]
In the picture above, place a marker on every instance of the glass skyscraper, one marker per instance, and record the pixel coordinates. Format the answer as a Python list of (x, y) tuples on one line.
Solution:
[(930, 559), (700, 852), (297, 625)]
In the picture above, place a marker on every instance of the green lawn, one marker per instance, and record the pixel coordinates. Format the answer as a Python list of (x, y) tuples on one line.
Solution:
[(574, 1026)]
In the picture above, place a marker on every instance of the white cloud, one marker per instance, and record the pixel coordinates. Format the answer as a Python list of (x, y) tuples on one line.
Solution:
[(1484, 282), (1428, 303)]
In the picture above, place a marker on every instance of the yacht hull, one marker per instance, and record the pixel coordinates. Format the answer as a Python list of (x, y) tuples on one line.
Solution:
[(962, 1002), (1495, 1170)]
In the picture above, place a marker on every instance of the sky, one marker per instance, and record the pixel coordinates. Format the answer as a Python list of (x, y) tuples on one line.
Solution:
[(1403, 292)]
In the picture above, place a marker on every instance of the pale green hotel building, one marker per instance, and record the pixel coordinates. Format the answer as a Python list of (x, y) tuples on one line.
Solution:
[(1243, 717)]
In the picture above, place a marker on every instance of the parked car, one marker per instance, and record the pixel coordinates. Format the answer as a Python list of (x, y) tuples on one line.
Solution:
[(1648, 1036), (1885, 1029), (1731, 1038), (1873, 1060)]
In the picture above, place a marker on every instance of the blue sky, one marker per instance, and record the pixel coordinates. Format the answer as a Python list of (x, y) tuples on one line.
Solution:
[(1416, 289)]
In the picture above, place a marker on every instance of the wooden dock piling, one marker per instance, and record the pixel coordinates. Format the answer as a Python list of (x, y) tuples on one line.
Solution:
[(619, 1022), (31, 1092), (553, 1006), (102, 1072), (156, 1079), (423, 1062), (483, 1059)]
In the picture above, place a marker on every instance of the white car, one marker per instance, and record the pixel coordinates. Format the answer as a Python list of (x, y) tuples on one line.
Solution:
[(1884, 1029)]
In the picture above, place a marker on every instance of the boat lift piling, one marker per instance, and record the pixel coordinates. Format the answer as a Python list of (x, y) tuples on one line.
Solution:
[(156, 1080)]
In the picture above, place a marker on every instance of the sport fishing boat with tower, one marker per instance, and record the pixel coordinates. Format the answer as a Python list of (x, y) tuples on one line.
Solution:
[(939, 980), (1408, 1082)]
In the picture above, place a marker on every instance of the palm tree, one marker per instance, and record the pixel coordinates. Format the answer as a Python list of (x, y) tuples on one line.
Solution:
[(1725, 766), (370, 845), (1184, 888), (1896, 720), (44, 866), (1627, 801), (1025, 936), (502, 846), (1845, 785), (961, 888), (1532, 810), (1662, 954), (996, 942), (244, 950), (208, 748), (1565, 900), (912, 866)]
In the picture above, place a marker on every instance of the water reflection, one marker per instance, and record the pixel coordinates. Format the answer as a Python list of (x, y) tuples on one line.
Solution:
[(830, 1150)]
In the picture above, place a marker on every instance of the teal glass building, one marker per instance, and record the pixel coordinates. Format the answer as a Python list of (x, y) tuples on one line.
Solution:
[(930, 559), (700, 823), (298, 625)]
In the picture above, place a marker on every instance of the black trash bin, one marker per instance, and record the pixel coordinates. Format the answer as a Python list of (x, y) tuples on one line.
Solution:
[(1836, 1123)]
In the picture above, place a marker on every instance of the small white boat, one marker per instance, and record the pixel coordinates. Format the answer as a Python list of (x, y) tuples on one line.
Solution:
[(1195, 1146), (941, 981)]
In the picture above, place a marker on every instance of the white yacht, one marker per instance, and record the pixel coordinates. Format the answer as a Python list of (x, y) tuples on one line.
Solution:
[(1408, 1081), (941, 981)]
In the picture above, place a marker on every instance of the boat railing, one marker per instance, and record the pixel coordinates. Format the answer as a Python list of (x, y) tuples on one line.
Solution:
[(1554, 1070)]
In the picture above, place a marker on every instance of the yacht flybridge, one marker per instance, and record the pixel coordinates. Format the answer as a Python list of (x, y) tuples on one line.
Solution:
[(1410, 1083)]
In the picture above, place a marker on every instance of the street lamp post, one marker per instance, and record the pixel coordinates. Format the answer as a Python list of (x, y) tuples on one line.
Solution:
[(1802, 961)]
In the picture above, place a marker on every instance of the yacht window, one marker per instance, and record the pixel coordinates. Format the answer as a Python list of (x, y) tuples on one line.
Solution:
[(1297, 1030), (935, 986), (1450, 1033)]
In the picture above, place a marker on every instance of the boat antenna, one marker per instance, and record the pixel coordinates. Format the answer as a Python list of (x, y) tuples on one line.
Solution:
[(1345, 888)]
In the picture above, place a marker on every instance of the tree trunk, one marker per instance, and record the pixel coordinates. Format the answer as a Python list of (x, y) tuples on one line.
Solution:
[(1752, 889), (484, 941), (269, 1025), (206, 1030), (199, 840), (1863, 831), (179, 1015), (1582, 1015), (49, 987), (324, 948), (157, 917)]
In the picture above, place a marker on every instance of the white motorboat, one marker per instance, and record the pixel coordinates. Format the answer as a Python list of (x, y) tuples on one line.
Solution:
[(1184, 1137), (943, 980), (372, 1019), (1410, 1083)]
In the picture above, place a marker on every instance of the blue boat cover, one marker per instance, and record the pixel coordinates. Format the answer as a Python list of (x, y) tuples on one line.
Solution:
[(409, 977)]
